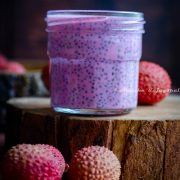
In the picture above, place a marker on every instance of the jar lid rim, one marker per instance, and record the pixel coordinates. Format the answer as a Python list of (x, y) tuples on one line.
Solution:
[(95, 13)]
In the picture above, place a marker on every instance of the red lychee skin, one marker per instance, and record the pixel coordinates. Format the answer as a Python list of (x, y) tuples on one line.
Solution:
[(154, 83), (45, 76), (3, 62), (94, 163), (15, 67), (33, 162)]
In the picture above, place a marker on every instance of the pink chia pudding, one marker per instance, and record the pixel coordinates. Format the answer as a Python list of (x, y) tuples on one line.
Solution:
[(94, 58)]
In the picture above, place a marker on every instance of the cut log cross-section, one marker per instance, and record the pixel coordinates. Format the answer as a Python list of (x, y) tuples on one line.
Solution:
[(146, 141)]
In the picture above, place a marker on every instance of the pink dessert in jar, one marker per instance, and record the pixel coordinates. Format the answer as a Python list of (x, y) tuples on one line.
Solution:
[(94, 59)]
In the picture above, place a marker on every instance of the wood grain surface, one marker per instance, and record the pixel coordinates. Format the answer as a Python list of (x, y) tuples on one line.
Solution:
[(146, 141)]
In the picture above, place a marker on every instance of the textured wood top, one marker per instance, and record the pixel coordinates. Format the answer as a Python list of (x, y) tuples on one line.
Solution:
[(30, 102), (169, 109)]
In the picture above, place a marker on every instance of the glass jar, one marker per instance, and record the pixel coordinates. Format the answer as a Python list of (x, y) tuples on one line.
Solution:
[(94, 60)]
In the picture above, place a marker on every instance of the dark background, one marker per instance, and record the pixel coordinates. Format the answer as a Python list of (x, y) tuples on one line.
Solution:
[(22, 28)]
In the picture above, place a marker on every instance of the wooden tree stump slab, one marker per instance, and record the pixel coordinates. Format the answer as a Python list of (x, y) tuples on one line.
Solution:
[(146, 141)]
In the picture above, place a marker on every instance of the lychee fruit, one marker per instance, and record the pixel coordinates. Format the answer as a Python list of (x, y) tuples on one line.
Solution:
[(33, 162), (3, 62), (15, 67), (154, 83), (45, 76), (94, 163)]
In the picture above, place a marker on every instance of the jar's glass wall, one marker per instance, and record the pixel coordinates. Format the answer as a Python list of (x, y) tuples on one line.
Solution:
[(94, 64)]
